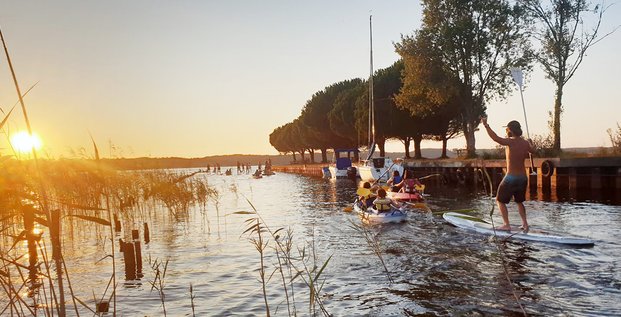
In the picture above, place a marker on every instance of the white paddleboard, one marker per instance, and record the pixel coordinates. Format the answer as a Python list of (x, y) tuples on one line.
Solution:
[(479, 225)]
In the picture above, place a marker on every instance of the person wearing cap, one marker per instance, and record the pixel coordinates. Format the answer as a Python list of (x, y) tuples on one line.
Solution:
[(515, 182)]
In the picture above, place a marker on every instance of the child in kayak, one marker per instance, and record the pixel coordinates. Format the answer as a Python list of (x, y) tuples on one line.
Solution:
[(370, 197), (383, 203)]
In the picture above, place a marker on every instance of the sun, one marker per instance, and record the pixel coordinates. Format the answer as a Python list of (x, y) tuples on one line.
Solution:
[(23, 142)]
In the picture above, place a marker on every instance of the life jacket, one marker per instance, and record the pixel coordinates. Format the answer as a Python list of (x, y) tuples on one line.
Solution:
[(382, 204)]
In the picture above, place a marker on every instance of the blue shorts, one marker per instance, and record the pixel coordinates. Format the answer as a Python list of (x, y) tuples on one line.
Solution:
[(512, 186)]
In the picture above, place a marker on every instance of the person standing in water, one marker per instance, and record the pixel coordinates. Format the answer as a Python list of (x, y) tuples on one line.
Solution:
[(515, 181)]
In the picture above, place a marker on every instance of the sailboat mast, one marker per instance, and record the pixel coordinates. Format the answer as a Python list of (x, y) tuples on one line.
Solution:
[(371, 99)]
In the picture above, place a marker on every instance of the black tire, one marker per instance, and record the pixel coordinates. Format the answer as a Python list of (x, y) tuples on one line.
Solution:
[(547, 168)]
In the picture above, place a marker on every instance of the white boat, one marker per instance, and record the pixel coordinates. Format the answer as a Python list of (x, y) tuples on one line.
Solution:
[(342, 167), (379, 168), (479, 225), (371, 215)]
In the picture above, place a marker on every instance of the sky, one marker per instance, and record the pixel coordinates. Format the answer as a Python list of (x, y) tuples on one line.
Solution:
[(200, 78)]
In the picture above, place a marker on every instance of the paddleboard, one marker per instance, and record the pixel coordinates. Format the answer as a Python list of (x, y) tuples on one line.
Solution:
[(479, 225)]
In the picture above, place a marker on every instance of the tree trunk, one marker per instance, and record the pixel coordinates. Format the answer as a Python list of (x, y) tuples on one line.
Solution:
[(406, 142), (471, 150), (324, 156), (417, 151), (558, 109), (312, 155), (294, 158), (381, 144), (444, 142)]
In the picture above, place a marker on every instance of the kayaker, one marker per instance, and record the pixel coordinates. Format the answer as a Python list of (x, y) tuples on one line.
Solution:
[(383, 203), (409, 183), (368, 199), (394, 181), (516, 180)]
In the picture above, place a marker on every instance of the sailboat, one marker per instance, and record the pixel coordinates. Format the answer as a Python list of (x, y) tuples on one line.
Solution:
[(375, 168)]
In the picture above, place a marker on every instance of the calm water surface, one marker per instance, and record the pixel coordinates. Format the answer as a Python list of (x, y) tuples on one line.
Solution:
[(436, 269)]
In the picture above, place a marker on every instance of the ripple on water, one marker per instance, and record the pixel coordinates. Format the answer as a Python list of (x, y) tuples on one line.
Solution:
[(434, 268)]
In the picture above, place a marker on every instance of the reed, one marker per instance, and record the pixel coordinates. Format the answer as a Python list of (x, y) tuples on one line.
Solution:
[(290, 268), (374, 243)]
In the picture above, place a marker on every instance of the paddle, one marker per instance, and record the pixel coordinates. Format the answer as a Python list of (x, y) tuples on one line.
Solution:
[(516, 73), (418, 205)]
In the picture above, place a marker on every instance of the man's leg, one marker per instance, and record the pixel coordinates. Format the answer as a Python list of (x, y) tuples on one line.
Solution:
[(505, 216), (522, 212)]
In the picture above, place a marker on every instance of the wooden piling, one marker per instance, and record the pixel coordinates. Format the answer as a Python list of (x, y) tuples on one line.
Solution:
[(138, 251), (102, 306), (135, 234), (130, 261), (147, 237), (117, 224)]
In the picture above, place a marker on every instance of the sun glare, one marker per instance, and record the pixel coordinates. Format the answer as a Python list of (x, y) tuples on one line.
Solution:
[(24, 143)]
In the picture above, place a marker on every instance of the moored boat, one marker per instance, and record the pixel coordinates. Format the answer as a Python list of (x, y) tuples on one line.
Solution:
[(379, 169), (342, 168)]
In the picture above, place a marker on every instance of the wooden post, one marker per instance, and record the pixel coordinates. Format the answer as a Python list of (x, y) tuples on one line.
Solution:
[(130, 261), (121, 245), (138, 251), (117, 224), (102, 307), (31, 237), (135, 235), (147, 238)]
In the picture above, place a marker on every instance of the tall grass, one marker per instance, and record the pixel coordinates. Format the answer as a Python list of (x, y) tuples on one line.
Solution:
[(82, 194), (290, 266)]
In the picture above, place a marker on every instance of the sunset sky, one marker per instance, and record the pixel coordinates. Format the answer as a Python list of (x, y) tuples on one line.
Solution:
[(198, 78)]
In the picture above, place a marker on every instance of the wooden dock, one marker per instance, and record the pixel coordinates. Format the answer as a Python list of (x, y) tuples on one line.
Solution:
[(566, 176)]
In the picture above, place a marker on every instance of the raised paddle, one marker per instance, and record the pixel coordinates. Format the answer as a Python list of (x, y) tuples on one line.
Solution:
[(516, 73)]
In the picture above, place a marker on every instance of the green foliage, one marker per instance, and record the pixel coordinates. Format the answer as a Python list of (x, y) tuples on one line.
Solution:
[(564, 38), (473, 44), (544, 146)]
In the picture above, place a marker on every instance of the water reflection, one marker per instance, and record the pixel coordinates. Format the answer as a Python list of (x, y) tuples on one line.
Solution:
[(436, 269)]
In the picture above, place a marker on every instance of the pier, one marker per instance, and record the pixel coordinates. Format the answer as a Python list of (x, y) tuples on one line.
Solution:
[(567, 177)]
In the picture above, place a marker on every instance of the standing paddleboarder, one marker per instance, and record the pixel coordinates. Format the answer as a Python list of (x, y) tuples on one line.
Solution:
[(514, 183)]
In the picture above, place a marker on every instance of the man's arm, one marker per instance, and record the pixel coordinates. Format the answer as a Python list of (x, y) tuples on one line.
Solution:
[(492, 134)]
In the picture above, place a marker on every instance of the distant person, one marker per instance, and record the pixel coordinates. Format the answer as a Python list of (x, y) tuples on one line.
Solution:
[(383, 203), (515, 182), (394, 180)]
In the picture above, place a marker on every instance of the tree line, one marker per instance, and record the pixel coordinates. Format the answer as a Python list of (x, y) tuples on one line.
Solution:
[(449, 69)]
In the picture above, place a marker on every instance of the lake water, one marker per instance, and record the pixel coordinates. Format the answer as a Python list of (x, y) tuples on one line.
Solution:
[(434, 268)]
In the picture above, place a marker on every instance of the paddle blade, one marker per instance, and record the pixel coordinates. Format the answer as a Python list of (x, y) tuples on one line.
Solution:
[(420, 188), (363, 192), (348, 209)]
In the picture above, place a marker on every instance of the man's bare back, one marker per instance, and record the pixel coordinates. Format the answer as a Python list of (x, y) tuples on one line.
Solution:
[(516, 150)]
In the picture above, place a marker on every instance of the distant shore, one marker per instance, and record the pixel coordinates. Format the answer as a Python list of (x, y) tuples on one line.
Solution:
[(255, 159)]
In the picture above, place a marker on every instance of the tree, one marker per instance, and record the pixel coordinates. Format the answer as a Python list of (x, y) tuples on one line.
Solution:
[(315, 116), (477, 41), (429, 92), (342, 116), (564, 42)]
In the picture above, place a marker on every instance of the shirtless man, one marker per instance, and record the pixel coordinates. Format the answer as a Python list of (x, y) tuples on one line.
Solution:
[(516, 180)]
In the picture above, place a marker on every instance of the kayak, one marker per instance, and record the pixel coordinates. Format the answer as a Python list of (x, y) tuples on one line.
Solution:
[(482, 226), (371, 215), (410, 197)]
